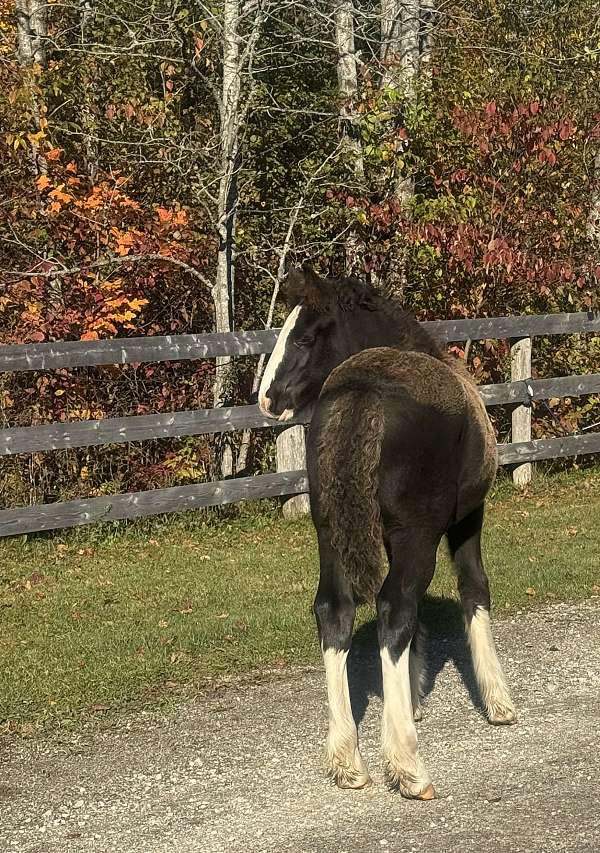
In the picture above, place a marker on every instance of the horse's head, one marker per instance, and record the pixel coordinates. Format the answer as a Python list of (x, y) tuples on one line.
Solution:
[(314, 339)]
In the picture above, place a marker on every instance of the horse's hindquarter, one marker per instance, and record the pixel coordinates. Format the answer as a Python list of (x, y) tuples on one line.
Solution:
[(439, 446)]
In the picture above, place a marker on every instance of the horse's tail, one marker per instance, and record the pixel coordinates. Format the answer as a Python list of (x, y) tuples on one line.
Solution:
[(349, 451)]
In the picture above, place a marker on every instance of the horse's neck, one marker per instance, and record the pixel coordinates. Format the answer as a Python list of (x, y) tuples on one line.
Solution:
[(364, 330)]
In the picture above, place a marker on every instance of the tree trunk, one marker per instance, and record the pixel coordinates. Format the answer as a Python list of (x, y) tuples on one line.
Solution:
[(399, 53), (31, 32), (409, 47), (227, 202), (237, 64), (31, 49), (348, 82), (349, 119), (389, 51), (427, 17), (88, 85)]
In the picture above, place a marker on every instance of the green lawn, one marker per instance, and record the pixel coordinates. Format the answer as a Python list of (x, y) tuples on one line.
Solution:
[(100, 619)]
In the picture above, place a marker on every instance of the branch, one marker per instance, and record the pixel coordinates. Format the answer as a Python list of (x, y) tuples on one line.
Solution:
[(118, 259)]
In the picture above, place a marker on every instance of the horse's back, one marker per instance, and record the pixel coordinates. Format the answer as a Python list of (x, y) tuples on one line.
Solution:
[(438, 450)]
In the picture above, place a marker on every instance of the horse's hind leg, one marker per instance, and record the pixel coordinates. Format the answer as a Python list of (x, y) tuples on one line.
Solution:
[(334, 610), (411, 568), (464, 540), (416, 660)]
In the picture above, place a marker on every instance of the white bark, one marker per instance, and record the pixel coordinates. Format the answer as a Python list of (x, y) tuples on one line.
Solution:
[(228, 189), (31, 31), (31, 49), (391, 26), (348, 81), (409, 46), (237, 67), (349, 119), (87, 9)]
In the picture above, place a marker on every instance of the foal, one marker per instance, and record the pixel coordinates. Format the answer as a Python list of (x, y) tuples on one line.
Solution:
[(400, 452)]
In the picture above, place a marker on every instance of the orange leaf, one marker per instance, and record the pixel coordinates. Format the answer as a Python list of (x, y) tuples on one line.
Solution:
[(89, 336), (164, 215), (54, 154), (42, 182), (72, 167)]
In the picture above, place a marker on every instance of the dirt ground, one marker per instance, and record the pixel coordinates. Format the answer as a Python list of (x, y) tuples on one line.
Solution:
[(238, 768)]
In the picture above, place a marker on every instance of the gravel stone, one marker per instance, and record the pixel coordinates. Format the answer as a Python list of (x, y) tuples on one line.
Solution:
[(238, 768)]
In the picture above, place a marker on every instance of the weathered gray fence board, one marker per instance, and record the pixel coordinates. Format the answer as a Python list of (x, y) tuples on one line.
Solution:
[(135, 428), (532, 325), (549, 448), (154, 502), (179, 347), (542, 389), (134, 350), (139, 504), (58, 436)]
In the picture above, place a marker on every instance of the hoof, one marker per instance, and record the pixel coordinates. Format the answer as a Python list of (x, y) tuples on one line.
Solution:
[(427, 794), (413, 792), (502, 715), (418, 714), (411, 788)]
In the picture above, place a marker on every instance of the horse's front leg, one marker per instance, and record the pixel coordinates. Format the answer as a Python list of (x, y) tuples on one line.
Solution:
[(397, 624), (334, 610)]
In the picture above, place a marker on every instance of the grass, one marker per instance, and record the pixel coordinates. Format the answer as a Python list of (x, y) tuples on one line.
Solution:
[(102, 619)]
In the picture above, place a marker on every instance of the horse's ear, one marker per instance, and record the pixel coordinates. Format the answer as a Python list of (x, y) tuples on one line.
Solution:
[(304, 285), (354, 293)]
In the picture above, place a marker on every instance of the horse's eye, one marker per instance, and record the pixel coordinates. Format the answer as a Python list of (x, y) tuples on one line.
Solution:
[(305, 341)]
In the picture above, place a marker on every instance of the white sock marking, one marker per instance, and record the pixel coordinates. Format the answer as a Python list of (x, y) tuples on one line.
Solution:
[(274, 362), (399, 736), (343, 759), (488, 670)]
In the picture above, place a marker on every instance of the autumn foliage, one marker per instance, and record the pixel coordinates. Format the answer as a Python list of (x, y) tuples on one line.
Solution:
[(108, 226)]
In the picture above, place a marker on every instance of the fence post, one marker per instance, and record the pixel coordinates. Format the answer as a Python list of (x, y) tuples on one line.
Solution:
[(291, 456), (520, 368)]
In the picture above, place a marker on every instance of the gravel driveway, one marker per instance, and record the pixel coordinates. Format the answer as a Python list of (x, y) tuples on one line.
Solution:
[(238, 768)]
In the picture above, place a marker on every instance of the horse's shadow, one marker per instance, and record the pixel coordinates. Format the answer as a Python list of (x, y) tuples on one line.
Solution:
[(444, 641)]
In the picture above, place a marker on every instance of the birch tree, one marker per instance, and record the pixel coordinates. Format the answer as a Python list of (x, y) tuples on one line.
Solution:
[(31, 49), (348, 82), (237, 79), (349, 119)]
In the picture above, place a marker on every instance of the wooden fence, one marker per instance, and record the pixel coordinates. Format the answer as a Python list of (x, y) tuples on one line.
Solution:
[(521, 390)]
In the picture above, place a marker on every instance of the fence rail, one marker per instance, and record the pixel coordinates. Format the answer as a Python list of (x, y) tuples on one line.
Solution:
[(46, 356), (59, 436)]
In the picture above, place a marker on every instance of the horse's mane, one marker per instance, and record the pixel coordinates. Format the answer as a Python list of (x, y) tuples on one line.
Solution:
[(350, 293)]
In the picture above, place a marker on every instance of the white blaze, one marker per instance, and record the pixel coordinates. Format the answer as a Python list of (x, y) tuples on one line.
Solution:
[(273, 364)]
